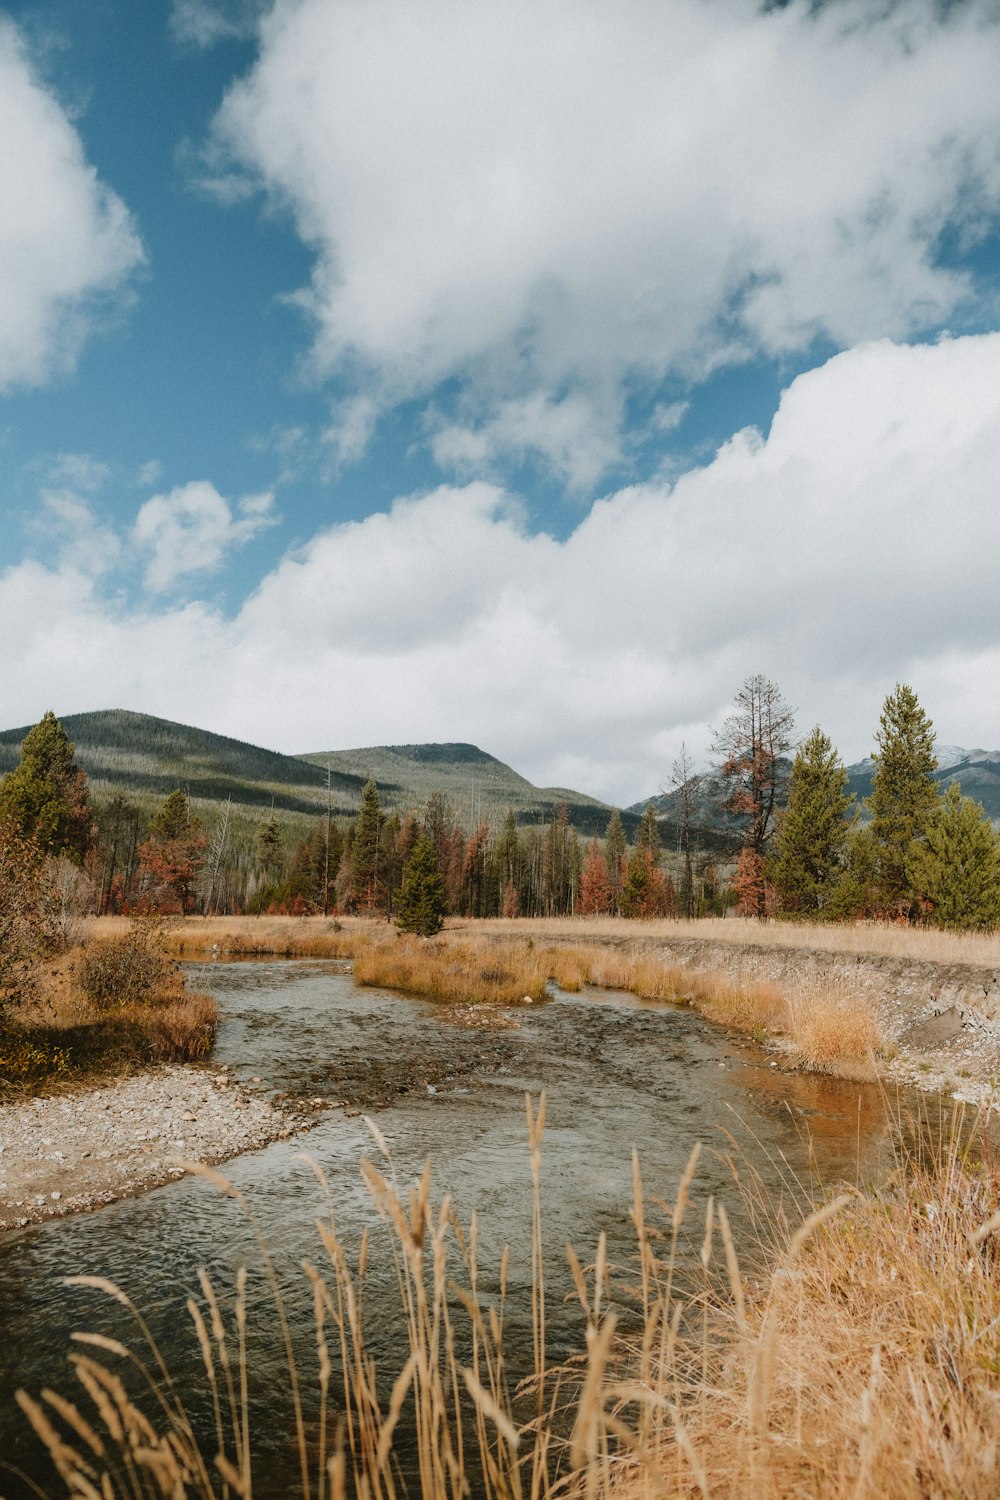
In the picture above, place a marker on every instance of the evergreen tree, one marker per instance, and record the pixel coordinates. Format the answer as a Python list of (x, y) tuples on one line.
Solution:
[(595, 890), (955, 868), (422, 899), (684, 783), (813, 833), (644, 894), (615, 851), (269, 854), (904, 793), (366, 878), (172, 856), (648, 836), (45, 799)]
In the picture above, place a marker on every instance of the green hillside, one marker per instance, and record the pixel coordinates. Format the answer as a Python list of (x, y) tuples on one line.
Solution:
[(139, 754), (146, 758), (976, 771), (476, 784)]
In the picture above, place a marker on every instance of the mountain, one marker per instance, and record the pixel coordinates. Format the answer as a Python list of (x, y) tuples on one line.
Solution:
[(476, 784), (977, 771), (146, 758), (139, 754)]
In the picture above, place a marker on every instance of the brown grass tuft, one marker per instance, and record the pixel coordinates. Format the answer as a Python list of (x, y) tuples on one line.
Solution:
[(860, 1362)]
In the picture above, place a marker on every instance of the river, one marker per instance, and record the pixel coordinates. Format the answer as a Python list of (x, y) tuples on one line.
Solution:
[(616, 1072)]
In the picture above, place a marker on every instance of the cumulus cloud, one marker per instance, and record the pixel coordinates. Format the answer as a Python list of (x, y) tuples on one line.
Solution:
[(852, 546), (191, 529), (542, 202), (67, 242), (202, 23)]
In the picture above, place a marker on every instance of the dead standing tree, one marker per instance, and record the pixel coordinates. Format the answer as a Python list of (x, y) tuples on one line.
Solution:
[(753, 747)]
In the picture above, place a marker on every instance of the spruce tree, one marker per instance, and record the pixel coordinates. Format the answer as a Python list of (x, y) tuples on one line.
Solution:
[(813, 834), (955, 867), (366, 884), (172, 856), (615, 852), (648, 836), (904, 792), (45, 799), (422, 899)]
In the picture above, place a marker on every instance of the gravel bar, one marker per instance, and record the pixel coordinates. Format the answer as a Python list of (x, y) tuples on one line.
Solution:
[(69, 1153)]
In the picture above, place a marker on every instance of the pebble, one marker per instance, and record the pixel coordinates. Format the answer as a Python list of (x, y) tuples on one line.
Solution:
[(116, 1140)]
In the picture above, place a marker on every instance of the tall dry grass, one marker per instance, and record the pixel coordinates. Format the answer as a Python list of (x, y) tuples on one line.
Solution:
[(886, 939), (861, 1360), (831, 1023), (321, 937), (107, 1007)]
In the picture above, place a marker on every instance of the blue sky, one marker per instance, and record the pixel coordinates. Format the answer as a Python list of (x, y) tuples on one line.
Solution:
[(530, 375)]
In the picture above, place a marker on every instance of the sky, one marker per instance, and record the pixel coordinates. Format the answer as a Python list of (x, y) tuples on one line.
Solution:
[(527, 374)]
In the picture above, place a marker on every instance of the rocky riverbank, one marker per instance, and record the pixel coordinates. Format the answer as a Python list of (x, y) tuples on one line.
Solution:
[(68, 1153), (940, 1021)]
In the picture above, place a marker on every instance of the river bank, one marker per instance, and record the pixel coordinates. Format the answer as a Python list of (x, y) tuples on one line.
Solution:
[(67, 1153), (71, 1152)]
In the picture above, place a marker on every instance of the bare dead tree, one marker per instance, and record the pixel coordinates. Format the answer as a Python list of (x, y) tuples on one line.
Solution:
[(752, 747), (684, 786)]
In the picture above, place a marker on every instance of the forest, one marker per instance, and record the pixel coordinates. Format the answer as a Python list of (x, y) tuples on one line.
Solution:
[(783, 836)]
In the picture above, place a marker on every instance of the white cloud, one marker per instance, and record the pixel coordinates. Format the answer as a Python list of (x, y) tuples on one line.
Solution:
[(575, 436), (854, 547), (191, 529), (542, 201), (202, 23), (85, 543), (351, 429), (67, 242)]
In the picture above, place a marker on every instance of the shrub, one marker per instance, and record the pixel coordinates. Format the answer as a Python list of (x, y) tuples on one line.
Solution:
[(24, 1060), (123, 971)]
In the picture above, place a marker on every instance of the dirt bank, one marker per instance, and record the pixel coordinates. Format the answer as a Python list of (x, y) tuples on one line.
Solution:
[(941, 1021)]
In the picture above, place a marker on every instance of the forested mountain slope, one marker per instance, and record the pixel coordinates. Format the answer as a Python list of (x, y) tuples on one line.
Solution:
[(146, 758)]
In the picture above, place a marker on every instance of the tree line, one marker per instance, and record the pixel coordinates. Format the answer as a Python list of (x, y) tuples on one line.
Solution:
[(917, 855), (799, 845)]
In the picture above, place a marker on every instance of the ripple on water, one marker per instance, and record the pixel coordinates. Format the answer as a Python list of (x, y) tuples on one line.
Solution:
[(616, 1072)]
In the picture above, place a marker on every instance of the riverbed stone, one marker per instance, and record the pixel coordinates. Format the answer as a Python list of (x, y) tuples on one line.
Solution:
[(114, 1140)]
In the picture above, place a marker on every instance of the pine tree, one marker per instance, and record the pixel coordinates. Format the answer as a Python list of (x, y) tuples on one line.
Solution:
[(366, 878), (615, 852), (904, 793), (645, 893), (682, 779), (954, 870), (813, 834), (422, 899), (648, 836), (45, 799), (269, 853), (172, 856)]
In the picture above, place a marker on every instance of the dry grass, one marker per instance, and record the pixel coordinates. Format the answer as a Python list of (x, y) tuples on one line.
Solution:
[(77, 1027), (867, 1364), (862, 1360), (886, 939), (489, 971), (831, 1025), (322, 937)]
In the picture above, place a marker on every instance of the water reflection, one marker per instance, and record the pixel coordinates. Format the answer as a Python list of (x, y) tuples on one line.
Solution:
[(616, 1072)]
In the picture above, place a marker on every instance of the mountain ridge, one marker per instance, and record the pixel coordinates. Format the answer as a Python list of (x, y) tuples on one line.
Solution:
[(123, 751)]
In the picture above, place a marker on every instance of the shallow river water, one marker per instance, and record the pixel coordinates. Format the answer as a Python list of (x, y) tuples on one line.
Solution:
[(615, 1072)]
